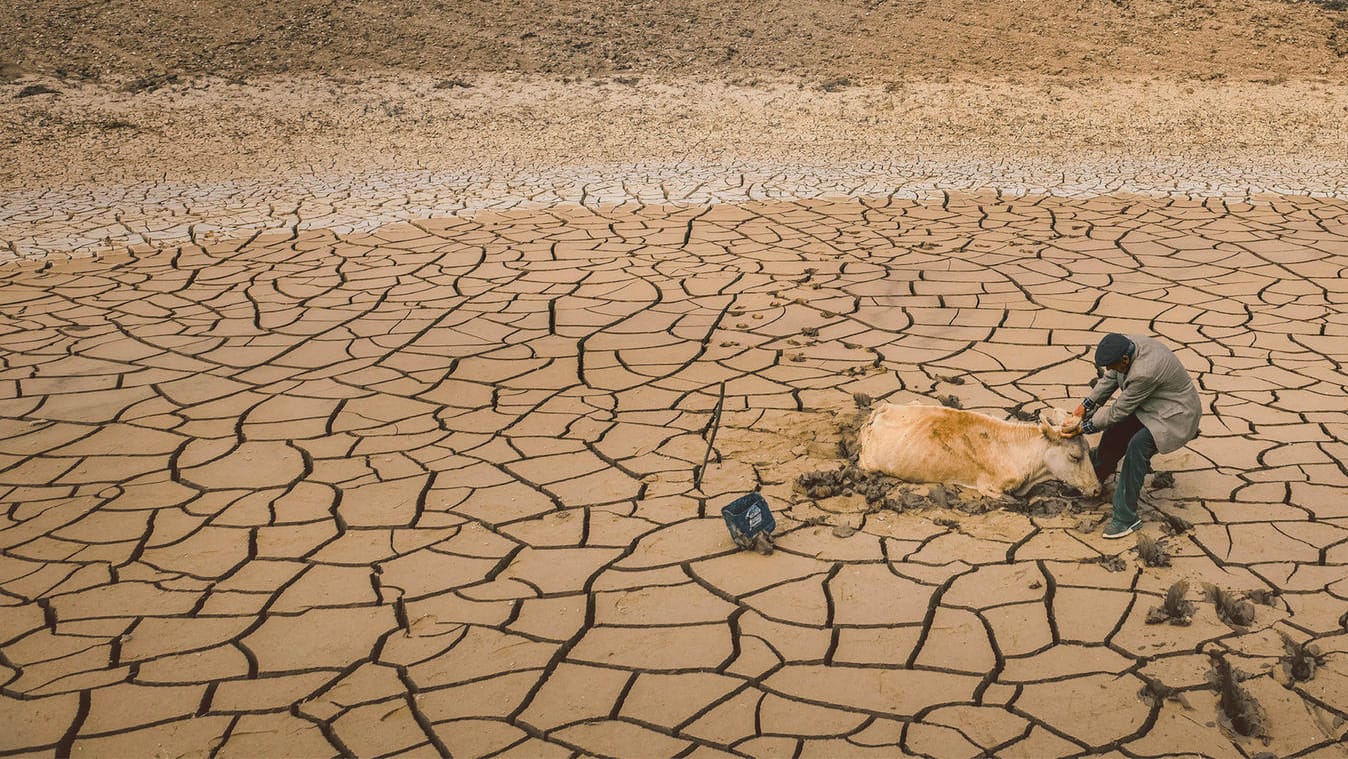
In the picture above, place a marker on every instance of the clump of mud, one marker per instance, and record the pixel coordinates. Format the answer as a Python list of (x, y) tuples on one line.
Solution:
[(1161, 480), (880, 490), (950, 401), (1049, 499), (1231, 609), (1175, 609), (1090, 523), (1264, 596), (1112, 562), (1301, 661), (1154, 691), (1174, 525), (849, 429), (1240, 713), (1152, 551), (849, 480)]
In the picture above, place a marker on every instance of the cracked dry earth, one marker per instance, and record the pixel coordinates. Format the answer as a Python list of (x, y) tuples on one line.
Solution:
[(430, 489)]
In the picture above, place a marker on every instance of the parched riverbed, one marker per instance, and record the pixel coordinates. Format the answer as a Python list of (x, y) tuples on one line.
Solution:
[(430, 485)]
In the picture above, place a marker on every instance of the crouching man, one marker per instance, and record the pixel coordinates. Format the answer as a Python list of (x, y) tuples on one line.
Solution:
[(1157, 411)]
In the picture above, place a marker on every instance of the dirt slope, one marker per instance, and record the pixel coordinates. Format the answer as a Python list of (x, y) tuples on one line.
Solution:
[(96, 92), (859, 40)]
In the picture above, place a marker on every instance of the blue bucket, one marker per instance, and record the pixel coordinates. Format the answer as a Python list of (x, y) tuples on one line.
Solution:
[(746, 517)]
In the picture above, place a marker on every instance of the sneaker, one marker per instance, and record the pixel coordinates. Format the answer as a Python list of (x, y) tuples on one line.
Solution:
[(1115, 530)]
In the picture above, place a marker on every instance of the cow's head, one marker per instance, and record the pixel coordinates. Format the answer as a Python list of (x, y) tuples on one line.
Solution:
[(1068, 458)]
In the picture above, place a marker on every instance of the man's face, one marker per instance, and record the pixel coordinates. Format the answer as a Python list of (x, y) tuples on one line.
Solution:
[(1120, 366)]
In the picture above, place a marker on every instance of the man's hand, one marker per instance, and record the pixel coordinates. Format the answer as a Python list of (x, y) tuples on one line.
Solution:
[(1080, 412), (1071, 427)]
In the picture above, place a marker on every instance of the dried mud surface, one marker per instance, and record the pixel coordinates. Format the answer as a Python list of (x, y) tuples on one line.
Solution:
[(431, 488), (357, 366)]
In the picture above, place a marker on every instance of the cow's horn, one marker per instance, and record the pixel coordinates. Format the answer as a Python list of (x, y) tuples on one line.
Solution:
[(1051, 432)]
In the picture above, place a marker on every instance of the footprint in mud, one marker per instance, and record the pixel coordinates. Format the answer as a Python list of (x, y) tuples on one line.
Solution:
[(1300, 663)]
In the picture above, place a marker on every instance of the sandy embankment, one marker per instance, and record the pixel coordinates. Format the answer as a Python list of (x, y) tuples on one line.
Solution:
[(96, 167)]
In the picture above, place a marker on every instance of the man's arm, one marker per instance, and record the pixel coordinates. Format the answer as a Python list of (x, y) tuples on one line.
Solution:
[(1104, 388), (1138, 390)]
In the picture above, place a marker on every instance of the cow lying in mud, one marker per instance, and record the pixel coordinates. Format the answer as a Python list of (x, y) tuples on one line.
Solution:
[(937, 444)]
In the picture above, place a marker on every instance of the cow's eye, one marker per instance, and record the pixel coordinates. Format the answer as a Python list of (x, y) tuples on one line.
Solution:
[(1076, 455)]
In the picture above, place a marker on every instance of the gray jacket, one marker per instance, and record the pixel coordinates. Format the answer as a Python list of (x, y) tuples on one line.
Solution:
[(1156, 388)]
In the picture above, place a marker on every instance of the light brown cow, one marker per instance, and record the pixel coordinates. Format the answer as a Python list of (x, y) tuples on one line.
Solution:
[(921, 443)]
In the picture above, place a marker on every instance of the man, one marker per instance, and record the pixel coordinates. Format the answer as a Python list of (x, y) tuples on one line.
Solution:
[(1157, 411)]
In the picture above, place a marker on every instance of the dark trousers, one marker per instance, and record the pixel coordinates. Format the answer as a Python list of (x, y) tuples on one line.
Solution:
[(1131, 441)]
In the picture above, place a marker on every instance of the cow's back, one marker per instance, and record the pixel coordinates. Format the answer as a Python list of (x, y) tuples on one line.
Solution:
[(936, 444)]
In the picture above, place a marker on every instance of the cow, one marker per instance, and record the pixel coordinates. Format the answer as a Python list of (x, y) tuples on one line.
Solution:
[(921, 443)]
